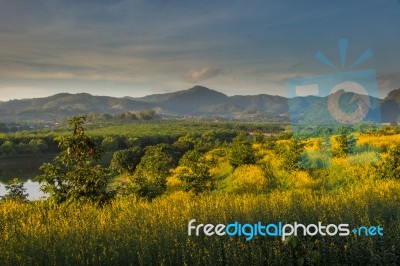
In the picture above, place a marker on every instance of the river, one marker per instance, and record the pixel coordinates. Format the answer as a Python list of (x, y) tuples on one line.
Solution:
[(26, 168)]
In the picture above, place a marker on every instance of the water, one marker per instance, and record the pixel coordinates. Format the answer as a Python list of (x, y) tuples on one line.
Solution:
[(26, 168), (32, 189)]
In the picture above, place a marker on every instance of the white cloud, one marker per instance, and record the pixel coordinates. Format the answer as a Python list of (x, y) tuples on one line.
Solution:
[(197, 75)]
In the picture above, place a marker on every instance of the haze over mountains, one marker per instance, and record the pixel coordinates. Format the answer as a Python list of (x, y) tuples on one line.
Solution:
[(197, 101)]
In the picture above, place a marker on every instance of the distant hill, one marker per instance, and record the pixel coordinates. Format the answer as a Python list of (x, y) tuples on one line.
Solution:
[(190, 102), (390, 106), (394, 96), (197, 101), (62, 105)]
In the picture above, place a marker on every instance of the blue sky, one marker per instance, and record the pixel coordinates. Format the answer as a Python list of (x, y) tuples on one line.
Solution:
[(136, 48)]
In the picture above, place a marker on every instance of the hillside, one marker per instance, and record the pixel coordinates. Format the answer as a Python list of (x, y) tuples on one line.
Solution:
[(62, 105), (197, 101), (190, 102)]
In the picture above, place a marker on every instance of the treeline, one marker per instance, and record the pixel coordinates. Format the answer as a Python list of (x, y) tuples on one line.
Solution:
[(123, 117), (117, 137)]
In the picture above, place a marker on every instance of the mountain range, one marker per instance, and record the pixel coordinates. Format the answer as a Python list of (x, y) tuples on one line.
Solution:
[(197, 101)]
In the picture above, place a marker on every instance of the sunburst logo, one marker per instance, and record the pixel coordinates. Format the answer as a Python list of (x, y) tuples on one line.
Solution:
[(341, 99), (360, 95)]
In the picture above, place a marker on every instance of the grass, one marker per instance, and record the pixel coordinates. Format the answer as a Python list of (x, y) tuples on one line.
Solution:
[(131, 232)]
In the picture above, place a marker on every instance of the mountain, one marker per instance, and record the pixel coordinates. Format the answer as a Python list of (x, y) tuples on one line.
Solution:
[(390, 107), (394, 96), (273, 105), (62, 105), (190, 102), (197, 101)]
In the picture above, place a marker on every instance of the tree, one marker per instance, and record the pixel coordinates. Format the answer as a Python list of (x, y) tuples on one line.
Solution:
[(150, 177), (73, 176), (259, 137), (194, 170), (241, 151), (125, 161), (16, 191), (185, 143), (207, 141), (8, 149), (346, 144), (292, 155), (109, 143), (389, 167)]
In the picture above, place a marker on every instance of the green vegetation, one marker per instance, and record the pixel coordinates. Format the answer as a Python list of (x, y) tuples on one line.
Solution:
[(194, 171), (214, 173), (241, 151), (73, 177)]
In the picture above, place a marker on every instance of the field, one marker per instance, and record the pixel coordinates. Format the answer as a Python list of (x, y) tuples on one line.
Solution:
[(135, 228)]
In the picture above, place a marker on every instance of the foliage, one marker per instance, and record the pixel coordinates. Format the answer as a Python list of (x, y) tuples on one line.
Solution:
[(15, 191), (248, 178), (291, 153), (194, 170), (389, 167), (73, 176), (241, 151), (259, 137), (125, 161), (128, 232), (343, 145), (150, 177), (185, 143)]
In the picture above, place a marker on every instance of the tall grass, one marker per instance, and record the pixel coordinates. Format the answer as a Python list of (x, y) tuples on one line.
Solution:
[(131, 232)]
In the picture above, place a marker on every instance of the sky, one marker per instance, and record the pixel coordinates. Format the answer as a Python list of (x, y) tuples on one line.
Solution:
[(136, 48)]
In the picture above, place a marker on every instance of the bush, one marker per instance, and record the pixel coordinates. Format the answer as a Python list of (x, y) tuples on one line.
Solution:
[(194, 170), (126, 161), (389, 167), (241, 151), (248, 178), (150, 177)]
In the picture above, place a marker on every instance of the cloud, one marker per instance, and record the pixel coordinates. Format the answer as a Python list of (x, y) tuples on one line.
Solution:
[(197, 75), (388, 82)]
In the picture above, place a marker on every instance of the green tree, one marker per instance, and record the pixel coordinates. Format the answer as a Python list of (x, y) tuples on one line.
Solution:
[(389, 167), (292, 155), (73, 176), (346, 145), (241, 151), (150, 177), (207, 141), (185, 143), (258, 137), (194, 170), (109, 143), (16, 191), (125, 161), (38, 146), (8, 149)]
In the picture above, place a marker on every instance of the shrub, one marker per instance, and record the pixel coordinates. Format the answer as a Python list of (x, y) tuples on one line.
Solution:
[(194, 171), (248, 178), (241, 151), (126, 161)]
